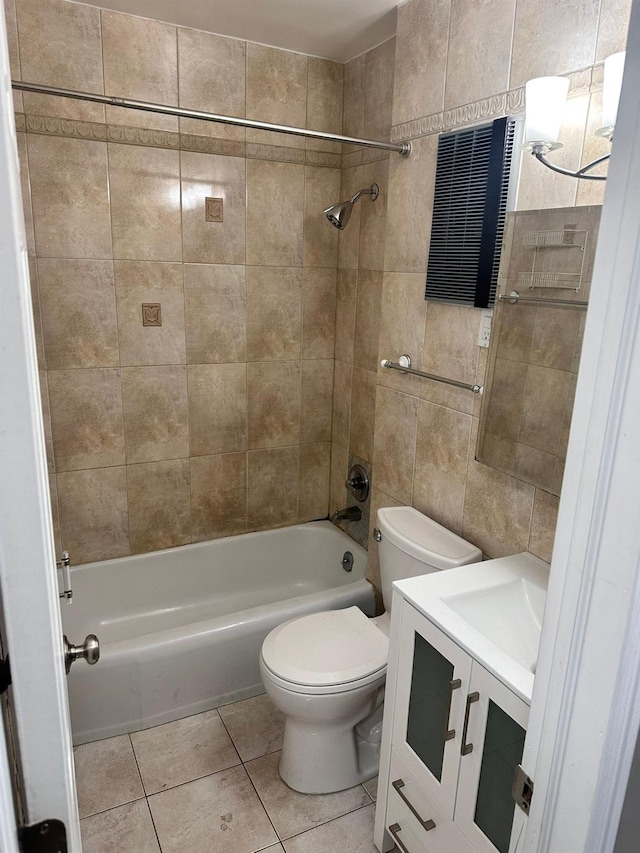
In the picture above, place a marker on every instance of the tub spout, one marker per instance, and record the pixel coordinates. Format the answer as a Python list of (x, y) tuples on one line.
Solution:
[(351, 513)]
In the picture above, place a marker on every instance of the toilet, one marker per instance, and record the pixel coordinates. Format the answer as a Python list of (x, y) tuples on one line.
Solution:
[(326, 671)]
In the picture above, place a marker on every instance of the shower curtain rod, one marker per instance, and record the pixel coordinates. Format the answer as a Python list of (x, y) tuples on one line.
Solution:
[(403, 148)]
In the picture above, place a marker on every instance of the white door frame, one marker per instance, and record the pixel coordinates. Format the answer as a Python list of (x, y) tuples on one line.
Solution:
[(28, 583), (585, 711)]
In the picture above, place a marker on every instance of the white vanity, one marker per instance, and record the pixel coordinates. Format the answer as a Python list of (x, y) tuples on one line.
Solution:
[(462, 659)]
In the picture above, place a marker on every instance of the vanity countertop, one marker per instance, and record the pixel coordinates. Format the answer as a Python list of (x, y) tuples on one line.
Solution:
[(492, 609)]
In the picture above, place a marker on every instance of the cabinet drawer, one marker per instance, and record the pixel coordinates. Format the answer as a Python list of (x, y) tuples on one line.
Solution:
[(409, 811)]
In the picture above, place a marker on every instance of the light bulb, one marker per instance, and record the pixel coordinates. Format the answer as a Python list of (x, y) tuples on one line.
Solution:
[(613, 69)]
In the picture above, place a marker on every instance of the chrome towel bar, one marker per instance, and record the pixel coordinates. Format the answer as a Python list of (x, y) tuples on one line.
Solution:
[(404, 366), (514, 297)]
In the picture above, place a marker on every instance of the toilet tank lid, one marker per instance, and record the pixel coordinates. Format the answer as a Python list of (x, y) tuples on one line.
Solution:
[(424, 539)]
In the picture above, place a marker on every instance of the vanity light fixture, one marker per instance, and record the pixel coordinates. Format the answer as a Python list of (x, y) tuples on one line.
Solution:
[(545, 99)]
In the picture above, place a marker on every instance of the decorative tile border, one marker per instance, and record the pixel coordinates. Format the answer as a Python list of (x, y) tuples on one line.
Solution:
[(66, 127), (150, 138), (508, 103), (142, 136)]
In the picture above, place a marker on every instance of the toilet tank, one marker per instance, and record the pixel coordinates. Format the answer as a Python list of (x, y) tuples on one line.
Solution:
[(413, 544)]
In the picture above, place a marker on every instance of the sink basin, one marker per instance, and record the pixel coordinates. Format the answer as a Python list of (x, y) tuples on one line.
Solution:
[(509, 614), (493, 610)]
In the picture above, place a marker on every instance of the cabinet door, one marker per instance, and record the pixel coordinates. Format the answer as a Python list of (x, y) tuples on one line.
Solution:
[(432, 683), (495, 732)]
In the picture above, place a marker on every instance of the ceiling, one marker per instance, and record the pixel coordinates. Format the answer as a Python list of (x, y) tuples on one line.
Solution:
[(334, 29)]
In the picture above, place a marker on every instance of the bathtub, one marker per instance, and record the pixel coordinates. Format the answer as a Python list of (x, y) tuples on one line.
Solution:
[(181, 630)]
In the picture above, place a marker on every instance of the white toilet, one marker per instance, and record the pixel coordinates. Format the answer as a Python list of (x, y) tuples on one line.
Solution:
[(326, 671)]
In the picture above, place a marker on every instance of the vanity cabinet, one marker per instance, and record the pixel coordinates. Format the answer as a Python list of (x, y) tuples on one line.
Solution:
[(454, 735)]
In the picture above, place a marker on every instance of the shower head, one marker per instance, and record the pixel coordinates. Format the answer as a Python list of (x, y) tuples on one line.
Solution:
[(338, 214)]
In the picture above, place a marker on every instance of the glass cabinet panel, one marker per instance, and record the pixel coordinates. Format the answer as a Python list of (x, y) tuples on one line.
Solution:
[(429, 704), (502, 752)]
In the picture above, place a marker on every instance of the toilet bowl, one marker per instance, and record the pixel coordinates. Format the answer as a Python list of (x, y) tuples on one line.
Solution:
[(326, 671)]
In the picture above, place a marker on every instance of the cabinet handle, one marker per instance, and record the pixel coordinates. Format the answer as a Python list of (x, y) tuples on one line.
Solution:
[(449, 734), (468, 747), (394, 829), (425, 824)]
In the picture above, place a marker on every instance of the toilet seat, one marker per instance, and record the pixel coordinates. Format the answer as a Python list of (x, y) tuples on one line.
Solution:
[(329, 652)]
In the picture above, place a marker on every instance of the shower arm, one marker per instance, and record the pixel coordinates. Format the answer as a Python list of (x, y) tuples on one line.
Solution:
[(372, 191)]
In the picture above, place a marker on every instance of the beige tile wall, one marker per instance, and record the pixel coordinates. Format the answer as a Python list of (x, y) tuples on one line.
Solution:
[(219, 421), (422, 437)]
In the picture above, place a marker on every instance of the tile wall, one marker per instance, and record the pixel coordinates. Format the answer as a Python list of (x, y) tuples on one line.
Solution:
[(456, 63), (217, 421)]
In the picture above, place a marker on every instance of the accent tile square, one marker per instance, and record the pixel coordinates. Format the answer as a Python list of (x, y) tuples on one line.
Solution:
[(151, 314)]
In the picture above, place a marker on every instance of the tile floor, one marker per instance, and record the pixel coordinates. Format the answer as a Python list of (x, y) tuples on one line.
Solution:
[(210, 783)]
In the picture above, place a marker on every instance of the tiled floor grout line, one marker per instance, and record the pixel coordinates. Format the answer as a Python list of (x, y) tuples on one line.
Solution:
[(250, 779), (146, 796)]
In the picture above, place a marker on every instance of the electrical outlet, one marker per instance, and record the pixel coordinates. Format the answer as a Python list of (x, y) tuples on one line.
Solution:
[(484, 333)]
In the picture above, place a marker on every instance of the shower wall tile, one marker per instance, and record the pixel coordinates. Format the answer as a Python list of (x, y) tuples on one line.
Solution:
[(60, 45), (78, 306), (411, 188), (25, 186), (274, 313), (159, 505), (363, 406), (423, 33), (549, 39), (478, 68), (316, 400), (272, 483), (373, 216), (324, 101), (275, 204), (217, 408), (70, 197), (342, 383), (442, 451), (218, 496), (140, 62), (367, 319), (318, 313), (144, 281), (86, 418), (497, 509), (394, 452), (339, 471), (274, 393), (37, 318), (156, 420), (145, 203), (346, 293), (378, 98), (315, 470), (402, 326), (211, 77), (543, 524), (93, 514), (451, 346), (612, 28), (215, 313), (156, 425), (276, 92), (206, 175), (322, 188), (349, 238), (353, 100), (9, 7)]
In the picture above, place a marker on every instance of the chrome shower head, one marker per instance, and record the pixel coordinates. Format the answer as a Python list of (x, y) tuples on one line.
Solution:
[(338, 214)]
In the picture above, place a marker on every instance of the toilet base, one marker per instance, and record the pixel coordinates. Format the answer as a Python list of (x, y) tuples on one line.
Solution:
[(326, 759)]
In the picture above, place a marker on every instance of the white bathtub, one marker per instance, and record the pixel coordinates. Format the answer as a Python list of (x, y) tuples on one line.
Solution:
[(180, 630)]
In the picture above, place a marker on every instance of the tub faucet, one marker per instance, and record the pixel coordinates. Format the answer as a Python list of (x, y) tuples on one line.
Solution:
[(351, 513)]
